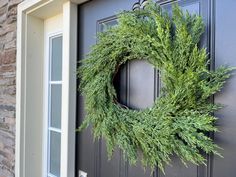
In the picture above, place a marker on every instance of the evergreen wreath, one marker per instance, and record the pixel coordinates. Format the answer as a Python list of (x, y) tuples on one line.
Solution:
[(182, 116)]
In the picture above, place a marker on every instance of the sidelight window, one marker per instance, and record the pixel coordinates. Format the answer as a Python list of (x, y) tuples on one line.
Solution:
[(54, 107)]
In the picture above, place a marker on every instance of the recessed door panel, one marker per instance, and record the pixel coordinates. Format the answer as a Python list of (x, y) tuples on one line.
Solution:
[(177, 168)]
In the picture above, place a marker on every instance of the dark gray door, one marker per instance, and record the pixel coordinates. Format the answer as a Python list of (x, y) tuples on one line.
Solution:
[(137, 85)]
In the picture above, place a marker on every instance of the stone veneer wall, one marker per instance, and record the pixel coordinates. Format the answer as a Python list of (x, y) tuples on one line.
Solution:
[(8, 13)]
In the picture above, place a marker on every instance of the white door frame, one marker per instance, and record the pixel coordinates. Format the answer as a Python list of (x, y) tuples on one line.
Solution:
[(52, 28), (30, 84)]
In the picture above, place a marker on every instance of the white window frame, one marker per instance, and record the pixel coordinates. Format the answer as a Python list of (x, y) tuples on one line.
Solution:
[(48, 86), (51, 29), (30, 83)]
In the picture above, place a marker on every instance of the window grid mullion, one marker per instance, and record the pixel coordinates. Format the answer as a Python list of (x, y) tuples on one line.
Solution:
[(55, 82), (57, 130)]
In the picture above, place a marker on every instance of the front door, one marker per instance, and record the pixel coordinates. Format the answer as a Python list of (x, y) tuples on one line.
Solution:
[(137, 85)]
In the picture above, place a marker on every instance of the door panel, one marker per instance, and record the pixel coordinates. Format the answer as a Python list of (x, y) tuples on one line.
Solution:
[(114, 163), (137, 85), (177, 168), (225, 45), (141, 84)]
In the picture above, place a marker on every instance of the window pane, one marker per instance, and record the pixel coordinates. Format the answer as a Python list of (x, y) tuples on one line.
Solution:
[(55, 153), (104, 26), (55, 106), (56, 60)]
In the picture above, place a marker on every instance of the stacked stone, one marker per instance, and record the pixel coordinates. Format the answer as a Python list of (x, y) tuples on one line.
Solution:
[(8, 15)]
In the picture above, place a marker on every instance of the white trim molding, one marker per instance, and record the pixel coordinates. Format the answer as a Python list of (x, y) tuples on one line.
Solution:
[(30, 85), (69, 89)]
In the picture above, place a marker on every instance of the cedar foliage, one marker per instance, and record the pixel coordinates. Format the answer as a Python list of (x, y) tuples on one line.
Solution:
[(182, 116)]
